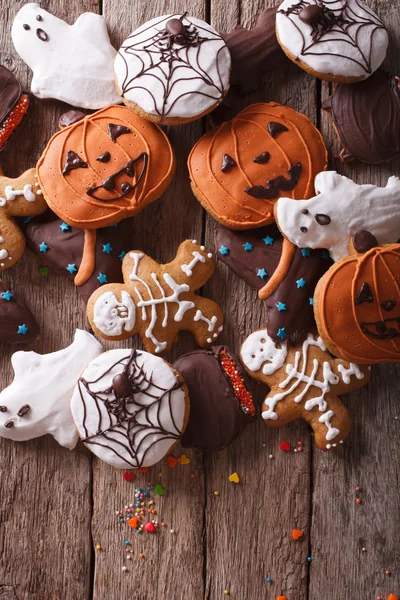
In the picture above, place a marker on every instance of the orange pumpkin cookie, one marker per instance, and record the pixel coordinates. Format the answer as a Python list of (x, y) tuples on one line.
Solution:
[(239, 169), (357, 303)]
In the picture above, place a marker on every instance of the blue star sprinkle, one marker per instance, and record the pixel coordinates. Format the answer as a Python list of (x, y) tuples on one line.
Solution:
[(64, 227), (22, 329), (305, 252), (115, 225), (43, 247), (325, 255), (301, 283), (281, 333), (223, 250), (262, 273), (72, 269), (311, 301), (27, 219), (280, 306), (121, 256), (7, 295), (102, 278), (248, 247), (107, 248), (268, 240)]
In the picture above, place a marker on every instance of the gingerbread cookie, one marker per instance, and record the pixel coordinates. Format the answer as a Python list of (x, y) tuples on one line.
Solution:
[(305, 383), (173, 69), (17, 324), (357, 303), (157, 301), (254, 52), (220, 404), (366, 118), (13, 104), (340, 209), (338, 40), (19, 197), (60, 246), (130, 408), (71, 63), (255, 256), (239, 169), (38, 400), (102, 169)]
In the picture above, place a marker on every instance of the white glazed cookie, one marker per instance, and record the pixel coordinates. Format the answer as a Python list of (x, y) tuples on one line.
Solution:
[(340, 209), (130, 408), (72, 63), (337, 40), (305, 382), (38, 400), (173, 69)]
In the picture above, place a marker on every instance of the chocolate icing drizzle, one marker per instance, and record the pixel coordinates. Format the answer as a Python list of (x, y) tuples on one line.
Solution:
[(329, 24), (70, 117), (262, 159), (364, 295), (104, 158), (42, 35), (73, 161), (227, 163), (123, 403), (275, 128), (276, 185), (169, 47), (381, 330), (114, 131), (322, 219), (10, 92), (388, 305), (110, 184)]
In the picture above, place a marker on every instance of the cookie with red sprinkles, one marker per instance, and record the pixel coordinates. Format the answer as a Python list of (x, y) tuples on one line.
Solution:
[(220, 402)]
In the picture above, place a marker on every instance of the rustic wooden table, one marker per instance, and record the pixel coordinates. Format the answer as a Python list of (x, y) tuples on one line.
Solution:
[(56, 505)]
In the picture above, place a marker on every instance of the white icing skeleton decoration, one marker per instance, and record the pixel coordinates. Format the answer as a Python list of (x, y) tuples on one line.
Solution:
[(72, 63), (38, 400), (305, 382), (341, 209), (157, 301)]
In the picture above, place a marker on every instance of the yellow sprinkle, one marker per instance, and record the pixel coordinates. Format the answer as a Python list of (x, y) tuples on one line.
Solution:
[(98, 547), (216, 493)]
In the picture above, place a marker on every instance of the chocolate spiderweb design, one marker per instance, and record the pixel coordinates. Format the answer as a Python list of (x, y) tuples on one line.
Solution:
[(339, 21), (166, 53), (133, 404)]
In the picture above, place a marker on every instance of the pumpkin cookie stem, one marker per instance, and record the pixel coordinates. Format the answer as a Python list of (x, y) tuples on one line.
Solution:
[(288, 250), (87, 265)]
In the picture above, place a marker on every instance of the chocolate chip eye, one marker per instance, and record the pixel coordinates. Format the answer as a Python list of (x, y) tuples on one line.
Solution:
[(42, 35), (388, 305), (305, 211), (24, 410), (26, 27), (364, 295), (303, 229), (262, 158), (3, 408), (322, 219), (104, 158), (39, 18)]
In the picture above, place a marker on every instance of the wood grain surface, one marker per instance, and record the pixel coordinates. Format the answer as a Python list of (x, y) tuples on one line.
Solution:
[(58, 505)]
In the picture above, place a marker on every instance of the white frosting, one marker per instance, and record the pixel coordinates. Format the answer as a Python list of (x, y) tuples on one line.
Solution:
[(351, 50), (351, 208), (112, 317), (140, 436), (259, 350), (199, 74), (74, 65), (46, 383)]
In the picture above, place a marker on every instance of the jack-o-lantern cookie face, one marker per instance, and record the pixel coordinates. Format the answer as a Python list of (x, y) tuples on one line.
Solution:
[(240, 169), (357, 306), (105, 168)]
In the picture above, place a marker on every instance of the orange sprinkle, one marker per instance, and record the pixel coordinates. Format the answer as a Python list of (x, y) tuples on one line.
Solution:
[(297, 534), (14, 118)]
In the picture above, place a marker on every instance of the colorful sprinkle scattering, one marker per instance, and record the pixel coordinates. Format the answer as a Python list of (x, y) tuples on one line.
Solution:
[(281, 306), (297, 534), (159, 490), (43, 247), (7, 295), (281, 333), (248, 247), (223, 250), (301, 283), (268, 240), (44, 271), (72, 269), (262, 273), (102, 278), (22, 329), (285, 446), (64, 227), (234, 478), (184, 460), (107, 248), (129, 476)]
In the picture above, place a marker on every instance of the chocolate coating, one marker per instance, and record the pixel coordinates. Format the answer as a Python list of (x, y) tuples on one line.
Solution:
[(364, 241), (70, 117), (65, 247), (254, 52), (216, 417), (367, 118), (299, 312), (10, 92), (14, 313)]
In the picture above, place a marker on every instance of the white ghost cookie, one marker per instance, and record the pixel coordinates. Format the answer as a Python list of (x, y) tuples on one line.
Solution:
[(130, 408), (38, 400), (341, 209), (72, 63)]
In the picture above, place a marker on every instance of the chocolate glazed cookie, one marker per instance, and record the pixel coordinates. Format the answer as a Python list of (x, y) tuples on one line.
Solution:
[(220, 404), (17, 324)]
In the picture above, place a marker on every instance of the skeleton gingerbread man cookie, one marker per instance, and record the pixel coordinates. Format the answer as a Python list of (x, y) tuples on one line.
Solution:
[(305, 382), (71, 63), (157, 301), (20, 197)]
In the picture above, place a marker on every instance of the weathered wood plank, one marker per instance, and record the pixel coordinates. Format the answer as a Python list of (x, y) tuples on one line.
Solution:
[(173, 563), (45, 494), (370, 458), (248, 526)]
